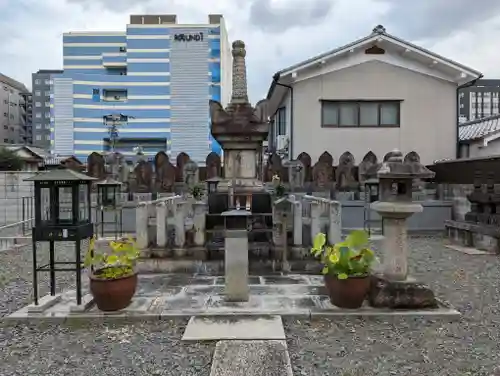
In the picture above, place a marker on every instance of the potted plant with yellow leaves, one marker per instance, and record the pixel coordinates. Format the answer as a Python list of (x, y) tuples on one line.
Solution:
[(346, 268), (113, 279)]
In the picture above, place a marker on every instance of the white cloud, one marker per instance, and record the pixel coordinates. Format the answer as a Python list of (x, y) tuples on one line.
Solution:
[(32, 31)]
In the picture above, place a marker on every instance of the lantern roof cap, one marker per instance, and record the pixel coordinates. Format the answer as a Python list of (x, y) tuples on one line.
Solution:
[(214, 179), (60, 174), (395, 167), (109, 181)]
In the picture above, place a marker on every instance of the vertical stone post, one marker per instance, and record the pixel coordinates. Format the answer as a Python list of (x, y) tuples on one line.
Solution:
[(335, 222), (236, 255), (297, 221), (199, 219), (277, 226), (315, 218), (180, 230), (161, 223), (141, 225), (395, 245)]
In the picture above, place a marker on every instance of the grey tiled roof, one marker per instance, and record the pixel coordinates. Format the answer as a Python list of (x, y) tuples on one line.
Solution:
[(477, 129)]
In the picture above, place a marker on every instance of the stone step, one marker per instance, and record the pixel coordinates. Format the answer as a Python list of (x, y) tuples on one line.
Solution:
[(234, 328), (251, 358)]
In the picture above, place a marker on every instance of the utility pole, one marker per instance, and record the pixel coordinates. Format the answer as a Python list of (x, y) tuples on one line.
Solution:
[(112, 122)]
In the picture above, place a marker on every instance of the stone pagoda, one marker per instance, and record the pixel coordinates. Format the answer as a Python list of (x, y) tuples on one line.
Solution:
[(240, 129)]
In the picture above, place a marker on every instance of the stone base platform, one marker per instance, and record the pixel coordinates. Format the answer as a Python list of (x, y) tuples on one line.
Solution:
[(182, 295)]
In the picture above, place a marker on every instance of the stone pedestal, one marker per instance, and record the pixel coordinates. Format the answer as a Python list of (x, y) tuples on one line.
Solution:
[(236, 254), (407, 294), (236, 266), (394, 243)]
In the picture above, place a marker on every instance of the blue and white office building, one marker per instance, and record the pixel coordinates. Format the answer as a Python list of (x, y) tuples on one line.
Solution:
[(159, 74)]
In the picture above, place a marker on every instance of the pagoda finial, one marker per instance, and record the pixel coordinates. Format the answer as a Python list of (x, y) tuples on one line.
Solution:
[(239, 94)]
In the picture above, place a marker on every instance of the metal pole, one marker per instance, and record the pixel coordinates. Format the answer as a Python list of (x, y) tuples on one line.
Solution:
[(78, 272), (52, 269), (35, 270)]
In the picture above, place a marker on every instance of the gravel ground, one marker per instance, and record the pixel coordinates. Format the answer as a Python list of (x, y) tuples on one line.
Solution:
[(365, 347), (344, 347), (87, 350)]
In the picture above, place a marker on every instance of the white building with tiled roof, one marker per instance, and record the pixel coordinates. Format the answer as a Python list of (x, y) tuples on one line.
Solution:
[(378, 93), (480, 138)]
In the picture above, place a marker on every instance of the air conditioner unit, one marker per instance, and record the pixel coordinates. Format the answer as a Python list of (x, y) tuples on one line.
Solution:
[(282, 142)]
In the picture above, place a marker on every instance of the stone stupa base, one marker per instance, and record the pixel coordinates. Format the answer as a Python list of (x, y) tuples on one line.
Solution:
[(408, 294)]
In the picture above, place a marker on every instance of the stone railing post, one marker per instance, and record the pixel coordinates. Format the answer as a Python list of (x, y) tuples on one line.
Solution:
[(161, 223), (199, 219), (297, 221), (335, 222), (180, 227), (141, 225), (276, 226), (315, 218)]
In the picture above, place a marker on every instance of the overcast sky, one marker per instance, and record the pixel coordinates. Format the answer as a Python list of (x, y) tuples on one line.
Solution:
[(278, 33)]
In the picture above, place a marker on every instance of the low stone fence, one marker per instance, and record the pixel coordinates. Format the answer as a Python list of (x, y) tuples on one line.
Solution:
[(179, 223)]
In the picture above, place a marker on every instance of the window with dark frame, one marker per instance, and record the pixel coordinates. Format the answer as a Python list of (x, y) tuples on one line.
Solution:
[(281, 121), (360, 113)]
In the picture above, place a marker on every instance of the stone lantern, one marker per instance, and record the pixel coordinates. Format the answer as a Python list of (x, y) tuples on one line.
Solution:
[(393, 288)]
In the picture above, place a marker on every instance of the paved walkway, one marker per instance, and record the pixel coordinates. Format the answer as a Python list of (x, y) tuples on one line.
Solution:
[(181, 295)]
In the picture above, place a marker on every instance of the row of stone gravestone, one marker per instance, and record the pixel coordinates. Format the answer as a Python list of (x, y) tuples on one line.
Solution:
[(161, 175), (323, 175)]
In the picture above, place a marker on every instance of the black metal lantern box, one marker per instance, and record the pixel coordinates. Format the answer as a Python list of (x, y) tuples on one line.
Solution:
[(62, 213), (62, 205), (109, 194)]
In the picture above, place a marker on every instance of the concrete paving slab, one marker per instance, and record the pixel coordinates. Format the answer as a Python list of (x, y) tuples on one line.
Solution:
[(468, 250), (251, 358), (234, 328), (44, 303)]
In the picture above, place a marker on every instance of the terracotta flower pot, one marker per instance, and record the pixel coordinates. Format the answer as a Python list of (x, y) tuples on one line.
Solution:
[(347, 293), (112, 294)]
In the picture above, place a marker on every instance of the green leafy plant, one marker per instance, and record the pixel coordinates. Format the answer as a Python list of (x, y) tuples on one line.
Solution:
[(197, 191), (350, 258), (279, 188), (118, 263)]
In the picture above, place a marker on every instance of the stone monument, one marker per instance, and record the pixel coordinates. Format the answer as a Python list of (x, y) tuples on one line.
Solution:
[(393, 288), (240, 129)]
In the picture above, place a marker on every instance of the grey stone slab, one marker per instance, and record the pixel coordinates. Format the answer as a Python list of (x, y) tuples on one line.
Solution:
[(87, 303), (221, 328), (287, 290), (154, 291), (468, 250), (186, 303), (285, 280), (287, 303), (44, 303), (252, 280), (203, 290), (219, 303), (204, 280), (251, 358), (180, 279)]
